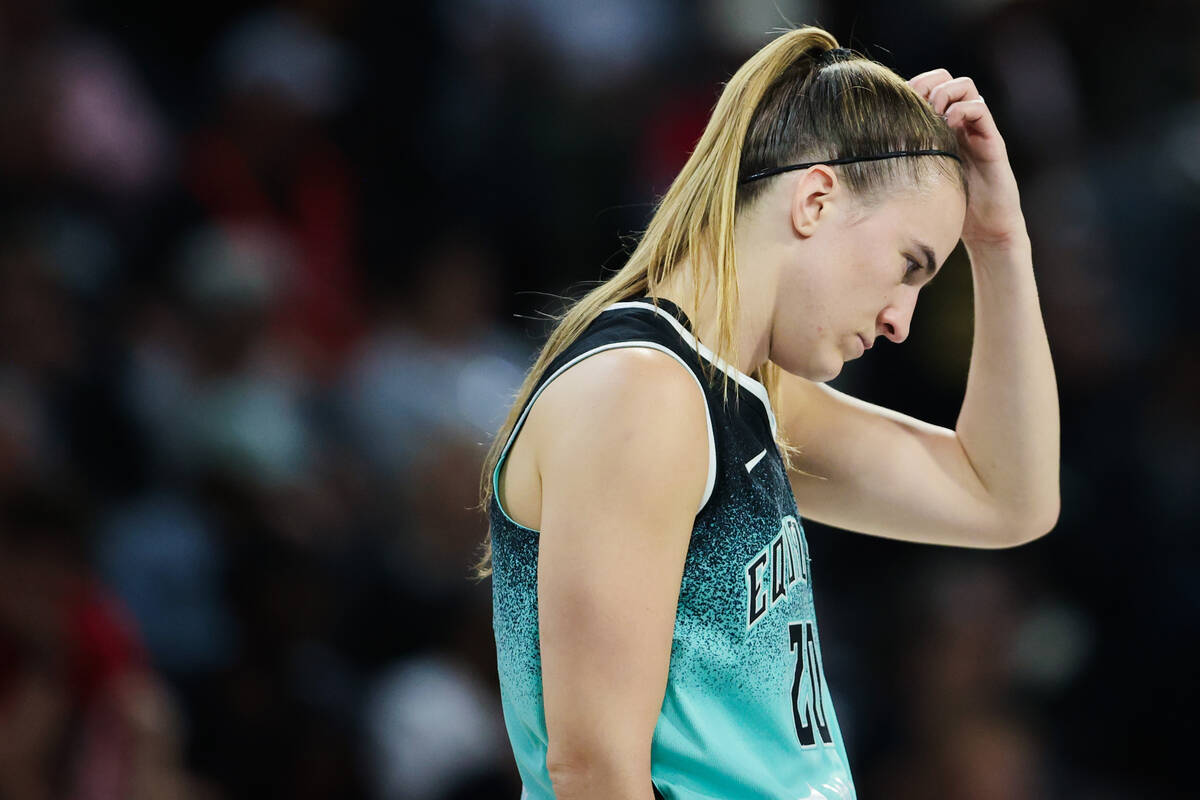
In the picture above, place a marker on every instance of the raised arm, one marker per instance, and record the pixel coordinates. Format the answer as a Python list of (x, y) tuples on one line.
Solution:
[(990, 482), (993, 480), (623, 456)]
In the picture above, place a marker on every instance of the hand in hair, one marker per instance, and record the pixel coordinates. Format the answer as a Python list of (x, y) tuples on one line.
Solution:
[(994, 206)]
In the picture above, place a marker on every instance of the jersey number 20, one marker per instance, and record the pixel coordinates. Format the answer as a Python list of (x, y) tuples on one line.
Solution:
[(808, 695)]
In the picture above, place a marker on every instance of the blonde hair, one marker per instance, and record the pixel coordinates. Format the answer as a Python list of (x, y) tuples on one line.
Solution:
[(778, 108)]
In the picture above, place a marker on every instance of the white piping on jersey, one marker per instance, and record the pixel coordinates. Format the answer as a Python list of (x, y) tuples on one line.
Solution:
[(755, 387), (712, 441)]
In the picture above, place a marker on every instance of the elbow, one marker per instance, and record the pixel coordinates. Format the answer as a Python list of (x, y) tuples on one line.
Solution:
[(569, 768), (592, 772), (570, 777), (1033, 526)]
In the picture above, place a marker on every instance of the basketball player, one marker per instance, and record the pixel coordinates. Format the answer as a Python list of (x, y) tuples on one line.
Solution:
[(652, 585)]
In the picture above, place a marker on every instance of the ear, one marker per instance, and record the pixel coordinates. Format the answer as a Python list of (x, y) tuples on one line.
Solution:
[(813, 198)]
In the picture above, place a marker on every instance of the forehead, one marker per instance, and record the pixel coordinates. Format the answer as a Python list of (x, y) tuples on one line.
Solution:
[(932, 213)]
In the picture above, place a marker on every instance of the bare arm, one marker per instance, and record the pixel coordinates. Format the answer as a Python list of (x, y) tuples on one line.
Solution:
[(1009, 425), (623, 469), (991, 482)]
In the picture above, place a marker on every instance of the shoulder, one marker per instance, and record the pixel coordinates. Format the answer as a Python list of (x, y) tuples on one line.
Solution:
[(629, 387), (625, 414)]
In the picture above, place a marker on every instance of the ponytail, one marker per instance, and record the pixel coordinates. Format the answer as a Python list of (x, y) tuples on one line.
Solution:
[(763, 118)]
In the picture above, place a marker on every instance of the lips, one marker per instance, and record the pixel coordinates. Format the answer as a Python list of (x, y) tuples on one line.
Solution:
[(867, 345)]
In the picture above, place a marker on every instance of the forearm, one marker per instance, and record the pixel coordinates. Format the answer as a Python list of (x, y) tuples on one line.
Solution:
[(1009, 423)]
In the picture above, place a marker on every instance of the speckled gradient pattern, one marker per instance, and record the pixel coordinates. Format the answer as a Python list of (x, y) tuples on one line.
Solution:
[(745, 641)]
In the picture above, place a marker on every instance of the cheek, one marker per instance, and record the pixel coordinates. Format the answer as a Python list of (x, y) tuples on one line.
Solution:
[(793, 340)]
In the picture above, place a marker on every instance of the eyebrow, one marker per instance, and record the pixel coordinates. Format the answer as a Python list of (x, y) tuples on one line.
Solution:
[(930, 266)]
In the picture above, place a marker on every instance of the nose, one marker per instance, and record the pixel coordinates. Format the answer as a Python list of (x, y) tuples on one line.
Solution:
[(896, 317)]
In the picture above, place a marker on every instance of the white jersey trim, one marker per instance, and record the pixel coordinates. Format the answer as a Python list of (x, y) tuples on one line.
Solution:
[(712, 442), (753, 386)]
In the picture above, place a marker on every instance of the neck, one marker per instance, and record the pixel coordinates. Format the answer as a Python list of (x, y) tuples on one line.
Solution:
[(752, 331)]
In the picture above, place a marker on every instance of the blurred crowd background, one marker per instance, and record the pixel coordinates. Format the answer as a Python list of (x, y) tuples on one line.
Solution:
[(270, 274)]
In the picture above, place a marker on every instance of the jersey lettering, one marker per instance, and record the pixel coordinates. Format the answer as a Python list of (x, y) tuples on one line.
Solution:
[(783, 562), (755, 588)]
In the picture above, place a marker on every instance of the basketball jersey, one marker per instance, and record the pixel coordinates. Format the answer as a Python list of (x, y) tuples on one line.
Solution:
[(747, 712)]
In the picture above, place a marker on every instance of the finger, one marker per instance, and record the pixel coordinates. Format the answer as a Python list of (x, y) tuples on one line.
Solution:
[(953, 91), (925, 82), (975, 113)]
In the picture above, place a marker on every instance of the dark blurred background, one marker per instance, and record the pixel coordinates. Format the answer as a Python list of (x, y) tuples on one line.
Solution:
[(269, 276)]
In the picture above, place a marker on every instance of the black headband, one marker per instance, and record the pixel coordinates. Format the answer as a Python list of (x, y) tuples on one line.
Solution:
[(766, 173)]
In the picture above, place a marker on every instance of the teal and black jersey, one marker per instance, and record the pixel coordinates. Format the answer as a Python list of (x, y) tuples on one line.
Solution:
[(747, 712)]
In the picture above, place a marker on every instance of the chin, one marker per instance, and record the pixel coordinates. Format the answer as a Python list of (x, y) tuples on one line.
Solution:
[(830, 370), (837, 370)]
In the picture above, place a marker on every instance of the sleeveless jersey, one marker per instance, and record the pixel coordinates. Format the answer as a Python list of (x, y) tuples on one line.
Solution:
[(747, 712)]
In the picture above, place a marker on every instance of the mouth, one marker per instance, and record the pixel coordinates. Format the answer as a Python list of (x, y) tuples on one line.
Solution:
[(867, 343)]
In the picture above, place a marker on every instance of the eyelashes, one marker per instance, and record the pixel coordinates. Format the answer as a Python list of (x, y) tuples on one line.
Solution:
[(912, 269)]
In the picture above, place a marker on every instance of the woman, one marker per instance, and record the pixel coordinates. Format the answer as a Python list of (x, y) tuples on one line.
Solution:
[(654, 617)]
